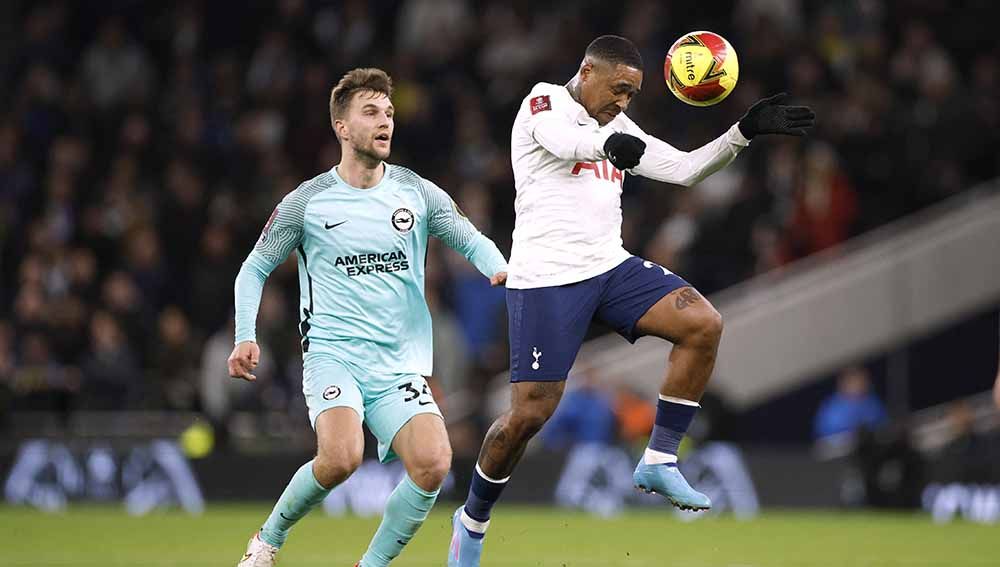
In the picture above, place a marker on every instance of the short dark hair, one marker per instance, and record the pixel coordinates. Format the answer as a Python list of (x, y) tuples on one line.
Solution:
[(360, 79), (615, 49)]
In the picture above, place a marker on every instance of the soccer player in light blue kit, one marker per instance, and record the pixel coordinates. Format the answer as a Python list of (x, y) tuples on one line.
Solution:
[(360, 231)]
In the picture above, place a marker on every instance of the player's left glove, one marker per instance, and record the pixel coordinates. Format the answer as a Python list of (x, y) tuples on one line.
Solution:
[(771, 116), (624, 150)]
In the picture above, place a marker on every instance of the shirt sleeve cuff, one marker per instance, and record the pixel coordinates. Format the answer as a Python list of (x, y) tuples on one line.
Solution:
[(737, 136), (602, 139)]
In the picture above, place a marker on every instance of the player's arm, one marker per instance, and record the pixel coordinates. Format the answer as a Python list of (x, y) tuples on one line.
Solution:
[(663, 162), (566, 140), (553, 126), (651, 157), (447, 222), (281, 234)]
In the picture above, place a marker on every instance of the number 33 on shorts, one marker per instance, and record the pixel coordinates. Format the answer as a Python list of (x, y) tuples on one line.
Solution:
[(413, 394)]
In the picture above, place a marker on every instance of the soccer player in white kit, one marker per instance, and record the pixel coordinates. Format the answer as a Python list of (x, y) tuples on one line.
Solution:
[(571, 146)]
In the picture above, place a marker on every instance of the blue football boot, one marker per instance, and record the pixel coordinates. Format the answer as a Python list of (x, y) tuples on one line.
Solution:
[(465, 547), (667, 481)]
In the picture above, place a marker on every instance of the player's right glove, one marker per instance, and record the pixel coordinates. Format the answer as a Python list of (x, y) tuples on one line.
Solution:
[(624, 150), (771, 116)]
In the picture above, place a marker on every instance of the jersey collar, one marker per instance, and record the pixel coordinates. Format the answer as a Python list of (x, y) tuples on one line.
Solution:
[(382, 182)]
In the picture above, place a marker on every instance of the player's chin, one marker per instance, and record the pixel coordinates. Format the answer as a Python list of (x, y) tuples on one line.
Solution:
[(605, 117), (381, 148)]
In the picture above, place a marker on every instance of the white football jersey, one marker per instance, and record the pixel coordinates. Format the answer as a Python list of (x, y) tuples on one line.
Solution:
[(568, 224)]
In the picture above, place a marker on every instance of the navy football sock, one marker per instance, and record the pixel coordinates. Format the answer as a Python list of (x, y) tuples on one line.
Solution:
[(483, 494), (673, 417)]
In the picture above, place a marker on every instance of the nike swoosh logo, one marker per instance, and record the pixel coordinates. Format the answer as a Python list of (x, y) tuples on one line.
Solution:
[(401, 542), (282, 514), (246, 556), (329, 226)]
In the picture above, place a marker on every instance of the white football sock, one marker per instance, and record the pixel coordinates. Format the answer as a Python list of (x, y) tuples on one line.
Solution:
[(472, 524), (651, 457)]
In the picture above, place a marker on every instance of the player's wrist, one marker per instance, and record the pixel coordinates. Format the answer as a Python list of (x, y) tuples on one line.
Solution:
[(602, 144), (737, 135), (624, 150)]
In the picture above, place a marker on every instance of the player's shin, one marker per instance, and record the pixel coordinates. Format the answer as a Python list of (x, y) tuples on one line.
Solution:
[(483, 495), (302, 494), (673, 417), (657, 471), (405, 512)]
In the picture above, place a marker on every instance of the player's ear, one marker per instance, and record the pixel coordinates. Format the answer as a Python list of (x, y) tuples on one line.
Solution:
[(340, 129), (586, 69)]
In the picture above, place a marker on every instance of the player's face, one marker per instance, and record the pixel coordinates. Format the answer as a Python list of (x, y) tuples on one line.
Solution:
[(368, 125), (606, 90)]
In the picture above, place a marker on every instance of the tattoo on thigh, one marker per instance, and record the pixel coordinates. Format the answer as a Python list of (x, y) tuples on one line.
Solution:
[(685, 297)]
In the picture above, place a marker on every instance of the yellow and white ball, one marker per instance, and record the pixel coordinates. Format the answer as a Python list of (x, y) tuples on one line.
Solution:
[(701, 68)]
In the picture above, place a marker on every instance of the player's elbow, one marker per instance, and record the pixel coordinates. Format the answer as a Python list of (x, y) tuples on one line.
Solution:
[(689, 178), (253, 267), (564, 153)]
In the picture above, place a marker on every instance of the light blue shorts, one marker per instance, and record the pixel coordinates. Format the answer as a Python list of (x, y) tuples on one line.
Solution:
[(386, 402)]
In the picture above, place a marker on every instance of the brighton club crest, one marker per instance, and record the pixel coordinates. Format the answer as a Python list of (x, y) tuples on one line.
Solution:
[(402, 220)]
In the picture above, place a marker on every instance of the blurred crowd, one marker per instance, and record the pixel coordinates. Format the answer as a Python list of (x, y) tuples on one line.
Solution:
[(143, 145)]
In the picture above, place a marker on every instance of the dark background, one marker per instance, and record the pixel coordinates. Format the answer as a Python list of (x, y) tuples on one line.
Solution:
[(143, 145)]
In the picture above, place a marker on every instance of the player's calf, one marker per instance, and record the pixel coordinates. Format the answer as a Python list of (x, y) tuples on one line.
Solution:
[(516, 428), (532, 404)]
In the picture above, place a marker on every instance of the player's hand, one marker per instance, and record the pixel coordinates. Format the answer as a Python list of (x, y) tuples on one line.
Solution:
[(500, 278), (772, 116), (245, 358), (624, 150)]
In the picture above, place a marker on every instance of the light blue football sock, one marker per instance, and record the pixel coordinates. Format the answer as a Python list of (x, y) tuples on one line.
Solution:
[(405, 512), (302, 494)]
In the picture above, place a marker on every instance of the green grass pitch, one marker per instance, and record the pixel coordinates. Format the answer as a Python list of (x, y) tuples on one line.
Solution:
[(106, 536)]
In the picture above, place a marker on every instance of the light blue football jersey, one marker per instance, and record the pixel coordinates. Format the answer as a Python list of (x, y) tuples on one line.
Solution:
[(361, 266)]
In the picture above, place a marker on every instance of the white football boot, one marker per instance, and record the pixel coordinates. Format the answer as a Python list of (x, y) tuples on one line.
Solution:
[(259, 553)]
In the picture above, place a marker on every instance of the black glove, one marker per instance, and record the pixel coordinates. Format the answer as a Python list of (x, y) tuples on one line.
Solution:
[(770, 116), (624, 150)]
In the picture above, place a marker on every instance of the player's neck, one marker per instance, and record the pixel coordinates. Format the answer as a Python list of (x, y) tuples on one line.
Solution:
[(573, 86), (359, 173)]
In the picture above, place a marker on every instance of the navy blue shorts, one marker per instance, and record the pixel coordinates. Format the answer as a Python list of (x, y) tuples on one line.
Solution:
[(547, 325)]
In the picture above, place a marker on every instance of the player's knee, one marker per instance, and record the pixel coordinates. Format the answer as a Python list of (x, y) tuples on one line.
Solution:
[(431, 467), (526, 422), (707, 328), (334, 465)]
